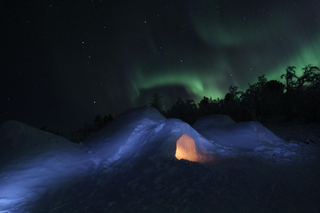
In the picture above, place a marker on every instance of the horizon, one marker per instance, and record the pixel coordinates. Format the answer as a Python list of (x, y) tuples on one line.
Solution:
[(67, 62)]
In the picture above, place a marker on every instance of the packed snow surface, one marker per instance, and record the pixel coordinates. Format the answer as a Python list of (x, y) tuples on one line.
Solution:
[(251, 137), (36, 164)]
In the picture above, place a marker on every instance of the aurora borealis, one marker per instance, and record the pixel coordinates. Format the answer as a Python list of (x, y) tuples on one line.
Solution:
[(67, 61)]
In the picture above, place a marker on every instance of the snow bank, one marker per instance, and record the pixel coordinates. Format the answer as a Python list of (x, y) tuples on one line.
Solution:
[(125, 136), (33, 162), (250, 138), (165, 141), (126, 121), (140, 133), (143, 133), (18, 139), (244, 135)]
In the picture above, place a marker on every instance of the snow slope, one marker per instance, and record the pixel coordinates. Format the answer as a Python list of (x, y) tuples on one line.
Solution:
[(245, 137), (36, 164), (141, 133), (224, 131)]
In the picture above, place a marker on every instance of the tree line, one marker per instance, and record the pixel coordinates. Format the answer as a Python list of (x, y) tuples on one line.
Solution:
[(298, 98)]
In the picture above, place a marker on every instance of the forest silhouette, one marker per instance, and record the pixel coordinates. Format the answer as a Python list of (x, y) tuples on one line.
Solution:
[(297, 99)]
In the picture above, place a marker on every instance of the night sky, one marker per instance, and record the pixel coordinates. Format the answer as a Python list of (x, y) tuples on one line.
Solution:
[(63, 62)]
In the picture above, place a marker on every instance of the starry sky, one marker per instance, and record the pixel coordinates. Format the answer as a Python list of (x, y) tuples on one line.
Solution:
[(63, 62)]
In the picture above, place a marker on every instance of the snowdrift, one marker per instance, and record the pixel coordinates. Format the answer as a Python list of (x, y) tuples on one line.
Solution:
[(34, 162), (143, 132), (245, 135), (20, 140)]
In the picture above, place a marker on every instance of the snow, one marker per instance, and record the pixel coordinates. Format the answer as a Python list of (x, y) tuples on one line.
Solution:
[(246, 135), (34, 162), (136, 138), (39, 167), (251, 138)]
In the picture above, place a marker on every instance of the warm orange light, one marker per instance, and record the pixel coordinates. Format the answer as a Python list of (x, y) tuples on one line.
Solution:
[(186, 149)]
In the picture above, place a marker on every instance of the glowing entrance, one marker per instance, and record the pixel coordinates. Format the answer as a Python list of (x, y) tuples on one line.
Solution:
[(186, 149)]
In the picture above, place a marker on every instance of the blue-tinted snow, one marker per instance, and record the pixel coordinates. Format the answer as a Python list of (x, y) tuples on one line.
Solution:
[(223, 130), (244, 137), (35, 163), (137, 133)]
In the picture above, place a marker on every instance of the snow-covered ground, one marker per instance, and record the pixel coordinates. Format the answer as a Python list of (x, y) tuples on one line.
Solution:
[(132, 166)]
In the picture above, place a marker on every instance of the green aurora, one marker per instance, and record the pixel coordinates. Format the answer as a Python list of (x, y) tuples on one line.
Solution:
[(266, 42)]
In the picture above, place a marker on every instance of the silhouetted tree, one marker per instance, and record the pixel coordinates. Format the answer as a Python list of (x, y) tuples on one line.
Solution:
[(204, 101), (98, 121), (310, 95), (184, 110), (204, 106), (290, 84), (289, 77), (232, 103), (190, 111), (107, 119), (177, 109), (311, 74), (156, 102), (272, 99), (44, 128), (252, 99)]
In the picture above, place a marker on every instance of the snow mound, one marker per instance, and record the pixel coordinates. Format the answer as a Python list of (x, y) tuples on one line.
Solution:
[(249, 138), (126, 134), (144, 134), (33, 162), (165, 141), (18, 139), (243, 135), (124, 123)]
